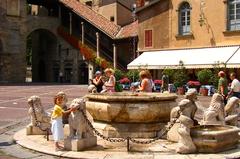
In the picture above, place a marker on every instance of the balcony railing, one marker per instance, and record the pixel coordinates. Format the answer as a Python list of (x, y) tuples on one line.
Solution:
[(88, 49)]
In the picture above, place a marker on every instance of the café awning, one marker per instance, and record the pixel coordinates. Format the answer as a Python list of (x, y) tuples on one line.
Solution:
[(193, 58)]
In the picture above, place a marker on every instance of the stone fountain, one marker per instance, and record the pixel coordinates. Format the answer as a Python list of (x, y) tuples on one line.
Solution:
[(144, 115), (127, 114), (215, 138)]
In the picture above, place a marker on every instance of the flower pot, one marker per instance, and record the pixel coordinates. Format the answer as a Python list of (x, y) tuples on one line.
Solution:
[(180, 91), (204, 91)]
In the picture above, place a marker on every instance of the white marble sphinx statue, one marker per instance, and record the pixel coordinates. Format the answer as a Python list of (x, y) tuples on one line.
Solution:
[(40, 120), (185, 142), (173, 134), (214, 115), (81, 136), (231, 111)]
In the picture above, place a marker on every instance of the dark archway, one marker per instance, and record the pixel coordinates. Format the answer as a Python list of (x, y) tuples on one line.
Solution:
[(41, 52), (68, 73), (1, 62), (56, 70), (1, 46), (83, 73)]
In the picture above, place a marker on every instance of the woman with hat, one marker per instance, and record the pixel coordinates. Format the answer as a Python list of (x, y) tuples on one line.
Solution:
[(109, 86)]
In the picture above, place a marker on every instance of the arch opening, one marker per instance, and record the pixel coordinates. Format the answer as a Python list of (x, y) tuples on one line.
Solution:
[(41, 50)]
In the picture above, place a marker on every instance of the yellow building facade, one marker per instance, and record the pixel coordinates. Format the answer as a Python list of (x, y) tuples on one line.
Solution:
[(210, 23)]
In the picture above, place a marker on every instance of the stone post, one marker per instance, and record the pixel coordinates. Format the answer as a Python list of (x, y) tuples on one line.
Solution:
[(61, 65), (82, 24), (70, 23), (90, 70), (97, 37), (75, 66), (60, 13), (114, 56)]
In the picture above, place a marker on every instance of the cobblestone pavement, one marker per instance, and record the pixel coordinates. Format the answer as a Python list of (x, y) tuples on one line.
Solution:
[(13, 113)]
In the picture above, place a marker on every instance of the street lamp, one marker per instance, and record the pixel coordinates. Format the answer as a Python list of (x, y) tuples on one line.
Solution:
[(202, 16)]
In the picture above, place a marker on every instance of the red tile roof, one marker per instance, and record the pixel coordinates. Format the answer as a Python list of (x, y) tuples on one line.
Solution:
[(128, 31), (99, 21), (93, 17)]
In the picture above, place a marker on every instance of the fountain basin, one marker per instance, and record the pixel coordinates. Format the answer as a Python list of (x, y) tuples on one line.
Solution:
[(215, 138), (123, 114)]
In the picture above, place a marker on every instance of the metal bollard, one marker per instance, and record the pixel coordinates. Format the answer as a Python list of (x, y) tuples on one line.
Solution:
[(128, 144)]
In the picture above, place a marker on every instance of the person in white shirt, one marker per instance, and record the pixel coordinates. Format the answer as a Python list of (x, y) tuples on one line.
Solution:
[(235, 86)]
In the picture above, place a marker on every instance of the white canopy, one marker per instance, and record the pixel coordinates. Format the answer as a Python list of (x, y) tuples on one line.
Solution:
[(191, 58)]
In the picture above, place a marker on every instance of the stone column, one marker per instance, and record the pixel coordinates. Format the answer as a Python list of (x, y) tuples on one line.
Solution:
[(90, 70), (70, 23), (61, 64), (83, 32), (97, 37), (75, 66), (114, 56), (60, 13)]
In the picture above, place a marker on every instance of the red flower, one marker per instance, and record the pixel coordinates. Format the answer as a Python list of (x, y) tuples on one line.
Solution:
[(124, 80)]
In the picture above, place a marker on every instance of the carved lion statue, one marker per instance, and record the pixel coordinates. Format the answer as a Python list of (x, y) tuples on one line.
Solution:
[(92, 89), (214, 115), (37, 113), (77, 123), (231, 110)]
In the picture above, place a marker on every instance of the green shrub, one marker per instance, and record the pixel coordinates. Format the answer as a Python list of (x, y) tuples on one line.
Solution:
[(204, 76), (133, 75), (180, 76)]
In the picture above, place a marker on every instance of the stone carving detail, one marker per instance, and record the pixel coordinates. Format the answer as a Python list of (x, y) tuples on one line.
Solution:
[(80, 136), (185, 143), (231, 111), (40, 120), (172, 134), (184, 116), (214, 115), (78, 126), (176, 112), (92, 89)]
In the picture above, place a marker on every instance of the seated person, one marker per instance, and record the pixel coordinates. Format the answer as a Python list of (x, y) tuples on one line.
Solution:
[(98, 81), (146, 82), (109, 86)]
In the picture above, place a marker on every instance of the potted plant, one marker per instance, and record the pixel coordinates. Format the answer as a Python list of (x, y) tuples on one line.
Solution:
[(204, 77), (180, 78), (125, 82)]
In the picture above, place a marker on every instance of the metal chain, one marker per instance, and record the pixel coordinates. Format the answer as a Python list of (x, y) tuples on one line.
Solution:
[(98, 133), (128, 138), (37, 123), (157, 138)]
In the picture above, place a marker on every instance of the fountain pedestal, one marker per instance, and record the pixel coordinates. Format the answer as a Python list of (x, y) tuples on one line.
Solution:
[(214, 138), (34, 130), (124, 114), (79, 144)]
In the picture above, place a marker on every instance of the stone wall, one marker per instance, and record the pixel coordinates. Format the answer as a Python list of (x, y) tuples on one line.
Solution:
[(155, 18), (15, 26), (12, 66)]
